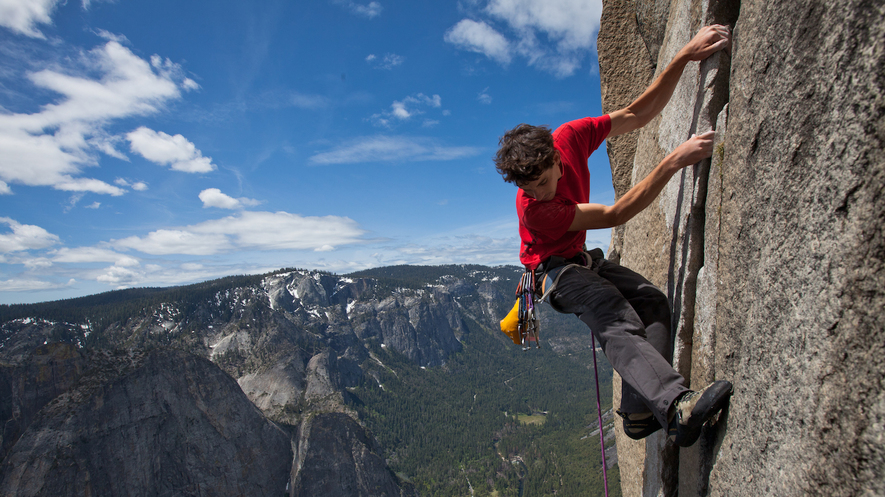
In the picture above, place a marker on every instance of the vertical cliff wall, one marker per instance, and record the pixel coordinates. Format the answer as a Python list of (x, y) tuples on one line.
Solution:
[(772, 252)]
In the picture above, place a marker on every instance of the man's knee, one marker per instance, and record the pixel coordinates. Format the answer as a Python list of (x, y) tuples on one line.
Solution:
[(651, 304)]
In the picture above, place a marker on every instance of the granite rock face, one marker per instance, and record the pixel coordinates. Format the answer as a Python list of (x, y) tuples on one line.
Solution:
[(772, 252), (335, 458), (165, 423), (48, 372)]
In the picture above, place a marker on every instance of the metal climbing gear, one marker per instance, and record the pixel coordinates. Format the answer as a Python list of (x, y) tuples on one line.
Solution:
[(522, 324)]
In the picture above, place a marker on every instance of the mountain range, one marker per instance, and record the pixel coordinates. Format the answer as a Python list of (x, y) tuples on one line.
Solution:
[(392, 381)]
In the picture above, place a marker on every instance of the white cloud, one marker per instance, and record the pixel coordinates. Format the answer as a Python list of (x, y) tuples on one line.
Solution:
[(107, 35), (553, 35), (137, 186), (50, 147), (405, 109), (4, 189), (29, 285), (481, 38), (284, 231), (484, 97), (305, 101), (389, 61), (571, 23), (43, 161), (129, 86), (168, 241), (121, 277), (249, 230), (37, 263), (392, 149), (167, 274), (213, 197), (24, 237), (83, 255), (370, 10), (174, 151), (73, 201), (22, 16)]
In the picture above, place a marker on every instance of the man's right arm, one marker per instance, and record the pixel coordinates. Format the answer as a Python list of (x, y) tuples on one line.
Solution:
[(599, 216)]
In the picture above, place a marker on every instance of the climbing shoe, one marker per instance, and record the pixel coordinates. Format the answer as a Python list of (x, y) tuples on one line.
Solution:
[(692, 409), (639, 425)]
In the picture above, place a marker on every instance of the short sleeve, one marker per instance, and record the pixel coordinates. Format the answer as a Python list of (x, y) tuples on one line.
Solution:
[(583, 136)]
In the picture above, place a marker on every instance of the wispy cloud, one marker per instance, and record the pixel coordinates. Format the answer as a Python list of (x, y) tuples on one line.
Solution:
[(484, 97), (407, 108), (306, 101), (249, 230), (552, 35), (393, 149), (107, 35), (31, 285), (51, 147), (139, 186), (370, 10), (83, 255), (389, 61)]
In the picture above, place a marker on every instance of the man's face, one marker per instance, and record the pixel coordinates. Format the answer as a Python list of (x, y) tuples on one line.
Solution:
[(544, 188)]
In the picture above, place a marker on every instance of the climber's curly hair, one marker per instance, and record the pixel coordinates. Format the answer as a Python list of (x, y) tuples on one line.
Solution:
[(524, 153)]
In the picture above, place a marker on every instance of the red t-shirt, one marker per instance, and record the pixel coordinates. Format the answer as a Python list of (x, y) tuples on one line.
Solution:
[(543, 226)]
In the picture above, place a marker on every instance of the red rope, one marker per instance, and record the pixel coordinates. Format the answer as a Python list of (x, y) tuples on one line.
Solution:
[(599, 412)]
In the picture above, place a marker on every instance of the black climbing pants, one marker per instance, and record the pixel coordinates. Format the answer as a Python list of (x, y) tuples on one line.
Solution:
[(631, 319)]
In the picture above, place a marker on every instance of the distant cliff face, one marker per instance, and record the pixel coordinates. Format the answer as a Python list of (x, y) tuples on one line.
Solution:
[(772, 252), (164, 423)]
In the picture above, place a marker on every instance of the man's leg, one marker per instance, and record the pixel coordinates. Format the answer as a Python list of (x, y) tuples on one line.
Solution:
[(653, 383), (653, 309)]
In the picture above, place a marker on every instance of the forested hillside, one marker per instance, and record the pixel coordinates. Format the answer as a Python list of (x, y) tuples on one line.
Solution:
[(453, 427)]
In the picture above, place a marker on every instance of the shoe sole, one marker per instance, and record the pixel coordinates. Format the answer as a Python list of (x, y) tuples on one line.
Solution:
[(711, 402), (643, 432)]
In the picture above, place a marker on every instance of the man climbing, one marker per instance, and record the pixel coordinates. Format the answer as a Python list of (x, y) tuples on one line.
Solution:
[(627, 314)]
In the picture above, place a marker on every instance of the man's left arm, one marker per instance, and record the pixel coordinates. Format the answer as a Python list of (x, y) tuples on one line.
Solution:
[(708, 41)]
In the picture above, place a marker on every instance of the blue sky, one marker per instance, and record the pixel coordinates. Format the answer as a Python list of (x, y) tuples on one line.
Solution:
[(166, 142)]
